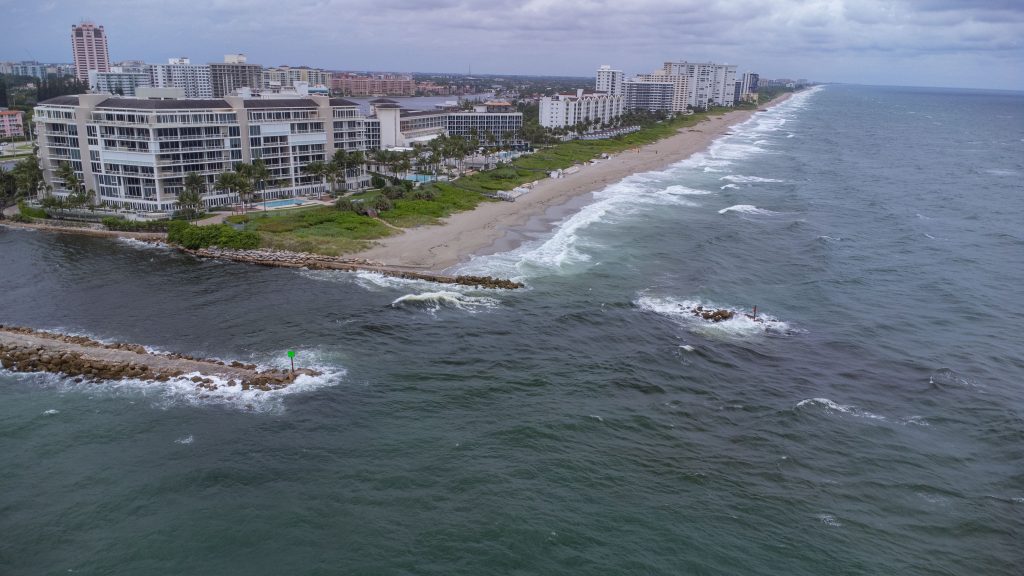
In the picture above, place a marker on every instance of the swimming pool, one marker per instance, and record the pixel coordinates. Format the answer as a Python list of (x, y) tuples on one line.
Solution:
[(420, 177), (285, 202)]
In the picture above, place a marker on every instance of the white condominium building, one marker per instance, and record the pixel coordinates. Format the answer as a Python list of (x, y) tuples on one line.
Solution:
[(136, 153), (565, 110), (709, 84), (193, 79), (680, 87), (609, 81), (280, 76), (119, 80), (650, 95)]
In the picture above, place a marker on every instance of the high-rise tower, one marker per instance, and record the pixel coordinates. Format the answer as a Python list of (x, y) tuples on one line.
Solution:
[(89, 45)]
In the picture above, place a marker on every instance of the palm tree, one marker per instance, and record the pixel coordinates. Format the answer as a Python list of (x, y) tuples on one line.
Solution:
[(316, 169), (228, 182), (259, 174), (66, 173), (332, 170), (191, 196)]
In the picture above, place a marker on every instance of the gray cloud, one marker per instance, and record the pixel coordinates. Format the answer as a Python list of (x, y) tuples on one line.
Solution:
[(871, 41)]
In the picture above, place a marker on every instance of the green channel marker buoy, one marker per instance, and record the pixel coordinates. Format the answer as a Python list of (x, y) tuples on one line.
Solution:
[(291, 356)]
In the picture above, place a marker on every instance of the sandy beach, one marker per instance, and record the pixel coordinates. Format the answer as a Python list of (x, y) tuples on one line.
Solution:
[(437, 248)]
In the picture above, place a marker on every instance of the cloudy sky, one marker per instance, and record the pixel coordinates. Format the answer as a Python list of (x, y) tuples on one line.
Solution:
[(962, 43)]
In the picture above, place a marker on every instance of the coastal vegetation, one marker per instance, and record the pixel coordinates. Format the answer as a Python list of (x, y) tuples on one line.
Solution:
[(223, 235), (321, 230)]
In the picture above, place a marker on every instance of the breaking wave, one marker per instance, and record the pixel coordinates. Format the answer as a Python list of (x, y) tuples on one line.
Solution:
[(830, 407), (746, 179), (747, 209), (434, 301), (740, 325)]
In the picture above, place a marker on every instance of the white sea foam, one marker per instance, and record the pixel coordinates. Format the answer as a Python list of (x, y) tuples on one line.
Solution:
[(830, 407), (687, 348), (595, 417), (739, 326), (185, 440), (730, 186), (142, 245), (747, 209), (51, 412), (686, 191), (434, 301), (830, 238), (747, 179), (829, 520)]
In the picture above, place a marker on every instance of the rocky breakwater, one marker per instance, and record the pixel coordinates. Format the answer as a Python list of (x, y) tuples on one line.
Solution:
[(28, 350), (321, 262)]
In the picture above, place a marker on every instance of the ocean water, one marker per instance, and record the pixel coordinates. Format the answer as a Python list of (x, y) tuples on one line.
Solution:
[(871, 423)]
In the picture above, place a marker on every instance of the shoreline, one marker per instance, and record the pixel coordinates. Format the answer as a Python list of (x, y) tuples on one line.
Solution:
[(501, 226)]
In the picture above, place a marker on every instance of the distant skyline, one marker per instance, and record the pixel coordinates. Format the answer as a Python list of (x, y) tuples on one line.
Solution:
[(956, 43)]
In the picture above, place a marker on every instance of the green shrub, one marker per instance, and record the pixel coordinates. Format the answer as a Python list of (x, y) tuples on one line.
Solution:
[(222, 235), (30, 212), (122, 225), (378, 181), (21, 218)]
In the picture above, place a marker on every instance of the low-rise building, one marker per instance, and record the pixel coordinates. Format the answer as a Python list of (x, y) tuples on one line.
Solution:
[(12, 123), (564, 110), (391, 126)]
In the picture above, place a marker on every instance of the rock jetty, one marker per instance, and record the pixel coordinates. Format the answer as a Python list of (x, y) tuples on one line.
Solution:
[(28, 350), (713, 315), (321, 262)]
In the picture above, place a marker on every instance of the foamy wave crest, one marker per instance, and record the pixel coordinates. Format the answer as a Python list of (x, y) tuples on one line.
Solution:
[(740, 325), (747, 209), (829, 407), (747, 179), (434, 301), (727, 186), (142, 245), (686, 191), (375, 281)]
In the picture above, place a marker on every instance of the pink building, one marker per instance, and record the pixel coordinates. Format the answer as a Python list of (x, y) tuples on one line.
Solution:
[(89, 45), (11, 124)]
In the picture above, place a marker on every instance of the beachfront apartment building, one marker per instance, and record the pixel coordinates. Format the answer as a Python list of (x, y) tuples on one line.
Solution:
[(609, 81), (89, 48), (708, 84), (564, 110), (135, 153), (748, 86), (278, 77), (36, 69), (650, 95), (12, 123), (234, 73), (193, 79)]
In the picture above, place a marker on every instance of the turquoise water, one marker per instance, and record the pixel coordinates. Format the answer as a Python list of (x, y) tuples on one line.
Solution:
[(420, 177), (873, 424)]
